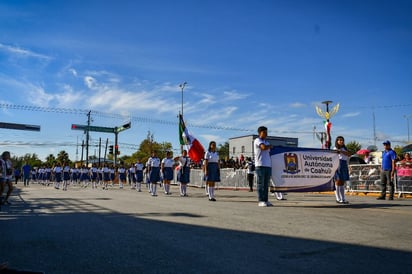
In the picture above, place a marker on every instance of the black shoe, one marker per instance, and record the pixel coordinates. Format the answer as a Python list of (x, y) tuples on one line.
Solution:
[(390, 198), (381, 198), (212, 199)]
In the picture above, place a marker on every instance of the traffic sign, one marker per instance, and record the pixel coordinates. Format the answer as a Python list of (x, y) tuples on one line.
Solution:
[(93, 128), (19, 126)]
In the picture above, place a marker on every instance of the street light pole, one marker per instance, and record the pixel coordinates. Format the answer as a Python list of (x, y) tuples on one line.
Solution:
[(407, 123), (182, 87)]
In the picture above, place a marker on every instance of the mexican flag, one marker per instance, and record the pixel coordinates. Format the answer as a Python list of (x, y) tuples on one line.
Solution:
[(195, 150)]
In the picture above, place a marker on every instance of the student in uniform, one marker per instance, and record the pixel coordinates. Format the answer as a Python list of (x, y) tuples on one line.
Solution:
[(66, 176), (132, 176), (139, 175), (167, 171), (122, 176), (94, 171), (212, 170), (153, 166), (106, 176), (183, 175), (57, 171), (342, 174)]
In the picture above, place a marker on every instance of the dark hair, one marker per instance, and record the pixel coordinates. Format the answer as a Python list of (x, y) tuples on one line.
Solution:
[(336, 142), (262, 128), (210, 144)]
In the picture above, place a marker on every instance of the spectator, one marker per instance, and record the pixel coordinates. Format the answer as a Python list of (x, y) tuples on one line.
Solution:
[(388, 171), (6, 177), (250, 166)]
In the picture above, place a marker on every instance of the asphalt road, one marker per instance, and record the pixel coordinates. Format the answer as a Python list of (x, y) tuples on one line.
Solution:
[(123, 231)]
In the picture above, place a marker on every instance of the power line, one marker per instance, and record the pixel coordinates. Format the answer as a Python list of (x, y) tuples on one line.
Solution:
[(148, 120)]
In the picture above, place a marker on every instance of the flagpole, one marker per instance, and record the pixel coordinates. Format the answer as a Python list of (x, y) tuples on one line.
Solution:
[(182, 87)]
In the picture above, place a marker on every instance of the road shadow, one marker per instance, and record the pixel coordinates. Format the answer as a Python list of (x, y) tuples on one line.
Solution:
[(104, 241)]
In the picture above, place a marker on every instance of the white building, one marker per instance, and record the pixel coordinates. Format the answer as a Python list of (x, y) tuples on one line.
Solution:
[(244, 144)]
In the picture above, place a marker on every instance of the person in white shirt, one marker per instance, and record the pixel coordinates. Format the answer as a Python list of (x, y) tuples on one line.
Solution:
[(57, 170), (6, 176), (139, 175), (183, 175), (342, 174), (263, 166), (167, 171), (212, 169), (153, 166)]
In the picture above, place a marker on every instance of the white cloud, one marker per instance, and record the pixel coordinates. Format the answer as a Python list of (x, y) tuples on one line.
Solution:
[(297, 105), (16, 51), (233, 95), (73, 72), (351, 114), (90, 82), (39, 97)]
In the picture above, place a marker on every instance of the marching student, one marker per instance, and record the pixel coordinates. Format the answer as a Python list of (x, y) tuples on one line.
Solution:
[(153, 166), (212, 170), (167, 171), (342, 174), (121, 171), (84, 176), (106, 176), (132, 176), (66, 176), (139, 175), (94, 171), (183, 175), (112, 174), (75, 175), (57, 171)]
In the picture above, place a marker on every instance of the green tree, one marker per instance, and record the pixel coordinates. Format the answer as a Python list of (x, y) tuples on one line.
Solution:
[(353, 147), (146, 147), (223, 150), (398, 150), (50, 160), (63, 157)]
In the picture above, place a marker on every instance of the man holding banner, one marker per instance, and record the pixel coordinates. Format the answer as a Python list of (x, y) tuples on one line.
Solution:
[(263, 166)]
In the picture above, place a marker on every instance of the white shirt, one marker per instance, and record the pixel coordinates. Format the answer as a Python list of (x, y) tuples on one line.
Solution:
[(153, 162), (262, 157), (212, 157), (168, 162), (341, 155)]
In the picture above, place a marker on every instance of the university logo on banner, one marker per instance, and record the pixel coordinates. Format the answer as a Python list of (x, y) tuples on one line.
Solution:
[(303, 169), (291, 163)]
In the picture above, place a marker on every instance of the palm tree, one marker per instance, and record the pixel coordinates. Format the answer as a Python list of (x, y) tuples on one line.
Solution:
[(63, 157)]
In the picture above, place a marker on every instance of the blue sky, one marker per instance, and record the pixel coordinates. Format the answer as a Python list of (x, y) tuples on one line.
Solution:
[(247, 63)]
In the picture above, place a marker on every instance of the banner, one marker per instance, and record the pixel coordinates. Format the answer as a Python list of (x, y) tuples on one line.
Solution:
[(303, 169)]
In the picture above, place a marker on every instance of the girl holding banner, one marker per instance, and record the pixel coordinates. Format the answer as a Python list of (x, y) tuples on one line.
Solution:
[(342, 174)]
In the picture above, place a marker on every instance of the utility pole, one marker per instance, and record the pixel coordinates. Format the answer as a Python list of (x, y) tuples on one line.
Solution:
[(407, 117), (87, 138)]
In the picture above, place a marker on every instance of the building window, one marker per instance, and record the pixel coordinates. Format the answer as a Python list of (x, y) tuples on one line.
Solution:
[(234, 150), (243, 149)]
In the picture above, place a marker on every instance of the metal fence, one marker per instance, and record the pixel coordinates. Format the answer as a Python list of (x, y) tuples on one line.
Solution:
[(367, 179), (229, 178), (364, 178)]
